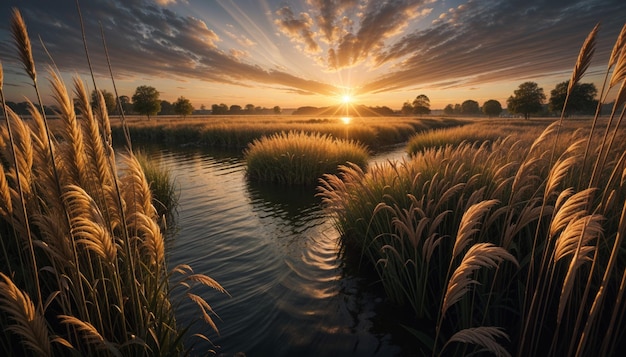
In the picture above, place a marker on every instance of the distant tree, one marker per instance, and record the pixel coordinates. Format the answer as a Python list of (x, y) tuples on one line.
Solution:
[(449, 109), (421, 104), (126, 105), (492, 108), (581, 100), (234, 109), (249, 108), (166, 108), (277, 110), (457, 108), (182, 106), (109, 100), (407, 108), (470, 107), (220, 109), (526, 100), (146, 101)]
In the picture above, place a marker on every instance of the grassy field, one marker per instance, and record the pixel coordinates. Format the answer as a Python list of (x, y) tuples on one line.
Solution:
[(239, 131)]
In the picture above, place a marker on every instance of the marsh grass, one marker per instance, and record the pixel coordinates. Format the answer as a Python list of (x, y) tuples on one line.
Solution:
[(162, 184), (548, 203), (298, 158), (239, 131), (83, 267)]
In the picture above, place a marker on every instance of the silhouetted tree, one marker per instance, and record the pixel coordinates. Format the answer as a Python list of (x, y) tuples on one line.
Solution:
[(449, 109), (470, 107), (125, 103), (492, 108), (407, 108), (457, 108), (166, 108), (146, 101), (277, 110), (249, 108), (526, 100), (182, 106), (109, 100), (581, 100), (234, 109), (220, 109), (421, 104)]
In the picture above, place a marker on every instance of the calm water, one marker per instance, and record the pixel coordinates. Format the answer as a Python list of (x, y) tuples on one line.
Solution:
[(275, 253)]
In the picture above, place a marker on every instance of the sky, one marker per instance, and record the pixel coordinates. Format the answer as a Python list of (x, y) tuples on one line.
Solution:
[(312, 52)]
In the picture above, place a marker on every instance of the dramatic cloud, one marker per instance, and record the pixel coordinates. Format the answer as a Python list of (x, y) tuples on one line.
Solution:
[(296, 47)]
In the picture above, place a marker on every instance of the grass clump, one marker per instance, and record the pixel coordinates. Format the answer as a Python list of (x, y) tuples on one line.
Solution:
[(298, 158), (162, 184), (510, 245), (83, 267)]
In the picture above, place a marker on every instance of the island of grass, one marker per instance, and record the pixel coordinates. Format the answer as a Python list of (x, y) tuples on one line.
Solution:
[(299, 158)]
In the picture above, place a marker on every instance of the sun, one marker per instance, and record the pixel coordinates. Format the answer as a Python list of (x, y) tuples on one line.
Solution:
[(346, 98)]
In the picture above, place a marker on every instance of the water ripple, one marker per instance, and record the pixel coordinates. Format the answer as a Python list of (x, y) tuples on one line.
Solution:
[(277, 256)]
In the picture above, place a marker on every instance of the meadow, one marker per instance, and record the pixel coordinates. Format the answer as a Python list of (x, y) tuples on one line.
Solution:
[(230, 131)]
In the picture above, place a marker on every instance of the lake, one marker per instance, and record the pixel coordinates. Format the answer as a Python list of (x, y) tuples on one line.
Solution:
[(275, 252)]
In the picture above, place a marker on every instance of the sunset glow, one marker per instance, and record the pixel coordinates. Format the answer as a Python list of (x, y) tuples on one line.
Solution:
[(307, 52)]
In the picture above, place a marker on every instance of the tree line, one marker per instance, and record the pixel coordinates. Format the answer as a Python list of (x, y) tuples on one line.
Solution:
[(526, 100)]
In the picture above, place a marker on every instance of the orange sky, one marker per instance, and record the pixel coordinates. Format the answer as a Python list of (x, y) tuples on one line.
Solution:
[(312, 52)]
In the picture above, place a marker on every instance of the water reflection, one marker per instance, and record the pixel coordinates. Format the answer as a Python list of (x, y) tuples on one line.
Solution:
[(276, 254)]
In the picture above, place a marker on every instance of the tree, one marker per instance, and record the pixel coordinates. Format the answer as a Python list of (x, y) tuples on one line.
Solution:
[(492, 108), (277, 110), (249, 108), (146, 101), (182, 106), (449, 109), (470, 107), (220, 109), (234, 109), (126, 105), (109, 100), (421, 104), (527, 99), (407, 108), (581, 99), (166, 108)]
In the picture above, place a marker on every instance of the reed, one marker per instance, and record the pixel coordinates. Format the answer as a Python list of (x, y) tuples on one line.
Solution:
[(83, 268), (297, 158), (523, 192)]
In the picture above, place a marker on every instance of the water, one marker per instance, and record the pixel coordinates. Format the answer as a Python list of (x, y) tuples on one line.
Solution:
[(276, 254)]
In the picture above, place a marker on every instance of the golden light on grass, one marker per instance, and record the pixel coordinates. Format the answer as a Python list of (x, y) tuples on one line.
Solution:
[(346, 120)]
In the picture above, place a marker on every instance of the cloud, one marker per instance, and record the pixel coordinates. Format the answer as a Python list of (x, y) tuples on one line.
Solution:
[(298, 29), (147, 40), (330, 24), (392, 44)]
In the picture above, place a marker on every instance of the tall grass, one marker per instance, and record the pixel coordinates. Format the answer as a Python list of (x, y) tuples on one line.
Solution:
[(297, 158), (513, 246), (83, 265)]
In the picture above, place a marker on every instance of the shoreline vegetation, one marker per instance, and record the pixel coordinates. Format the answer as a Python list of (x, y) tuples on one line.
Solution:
[(509, 244), (83, 267)]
